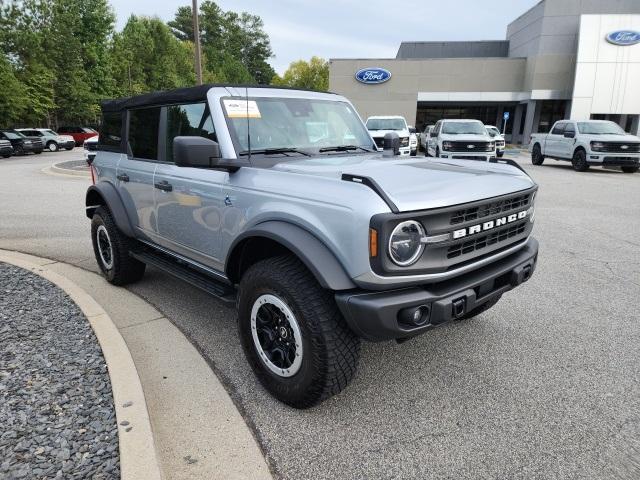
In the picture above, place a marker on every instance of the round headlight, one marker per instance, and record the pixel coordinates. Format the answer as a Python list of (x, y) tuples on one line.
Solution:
[(405, 245)]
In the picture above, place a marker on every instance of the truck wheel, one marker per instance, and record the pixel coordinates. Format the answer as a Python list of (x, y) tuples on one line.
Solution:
[(629, 169), (579, 161), (111, 248), (437, 152), (293, 334), (500, 154), (52, 146), (536, 155), (481, 309)]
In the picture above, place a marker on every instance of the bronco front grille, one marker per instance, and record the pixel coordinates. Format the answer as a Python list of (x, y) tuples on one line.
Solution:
[(489, 209), (480, 242)]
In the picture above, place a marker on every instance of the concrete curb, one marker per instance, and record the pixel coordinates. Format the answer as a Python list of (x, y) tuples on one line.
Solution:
[(56, 170), (138, 459)]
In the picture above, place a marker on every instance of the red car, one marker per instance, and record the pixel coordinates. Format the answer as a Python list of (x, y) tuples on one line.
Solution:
[(79, 134)]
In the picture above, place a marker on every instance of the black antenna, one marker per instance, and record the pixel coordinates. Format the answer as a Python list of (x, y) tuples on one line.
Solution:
[(246, 98)]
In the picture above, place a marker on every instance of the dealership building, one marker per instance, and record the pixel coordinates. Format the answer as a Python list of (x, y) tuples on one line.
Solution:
[(575, 59)]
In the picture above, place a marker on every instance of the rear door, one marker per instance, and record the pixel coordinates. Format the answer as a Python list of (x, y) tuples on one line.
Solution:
[(136, 168), (189, 201), (565, 145)]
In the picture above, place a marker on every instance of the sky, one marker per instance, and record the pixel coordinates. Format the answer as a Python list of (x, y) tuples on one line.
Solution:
[(354, 28)]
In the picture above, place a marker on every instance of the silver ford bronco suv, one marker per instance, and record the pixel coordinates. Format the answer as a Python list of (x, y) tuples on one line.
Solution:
[(277, 202)]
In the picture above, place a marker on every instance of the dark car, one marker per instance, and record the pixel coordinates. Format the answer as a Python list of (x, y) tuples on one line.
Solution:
[(22, 144), (6, 150), (79, 134)]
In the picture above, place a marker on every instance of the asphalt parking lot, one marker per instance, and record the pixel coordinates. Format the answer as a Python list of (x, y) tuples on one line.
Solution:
[(544, 385)]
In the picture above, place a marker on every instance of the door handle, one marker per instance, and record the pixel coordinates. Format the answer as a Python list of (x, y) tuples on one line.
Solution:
[(123, 177), (164, 186)]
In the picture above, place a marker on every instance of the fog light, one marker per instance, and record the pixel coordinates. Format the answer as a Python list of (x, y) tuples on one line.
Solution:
[(414, 316)]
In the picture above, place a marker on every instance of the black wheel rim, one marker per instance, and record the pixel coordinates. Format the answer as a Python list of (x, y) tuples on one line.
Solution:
[(276, 335), (104, 247)]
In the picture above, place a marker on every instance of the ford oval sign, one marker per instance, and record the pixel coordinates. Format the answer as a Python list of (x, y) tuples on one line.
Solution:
[(373, 75), (624, 37)]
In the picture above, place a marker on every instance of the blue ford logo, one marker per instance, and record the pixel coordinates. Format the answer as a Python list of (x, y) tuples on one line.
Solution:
[(373, 75), (624, 37)]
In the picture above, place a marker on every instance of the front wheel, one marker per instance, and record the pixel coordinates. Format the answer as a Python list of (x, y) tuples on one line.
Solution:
[(52, 146), (293, 334), (629, 169), (536, 155), (111, 248), (579, 161), (500, 154), (437, 152)]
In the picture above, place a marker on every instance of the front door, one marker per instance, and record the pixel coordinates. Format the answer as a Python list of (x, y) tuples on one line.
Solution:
[(189, 201), (136, 169), (553, 144)]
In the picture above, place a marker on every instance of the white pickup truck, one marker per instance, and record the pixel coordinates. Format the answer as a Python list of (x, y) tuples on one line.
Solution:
[(461, 139), (379, 126), (587, 143)]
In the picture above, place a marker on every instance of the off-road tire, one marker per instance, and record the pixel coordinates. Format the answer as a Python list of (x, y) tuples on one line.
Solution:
[(481, 309), (536, 155), (52, 146), (330, 349), (629, 169), (124, 269), (499, 154), (579, 161)]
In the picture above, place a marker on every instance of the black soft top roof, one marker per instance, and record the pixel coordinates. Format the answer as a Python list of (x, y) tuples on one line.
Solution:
[(179, 95)]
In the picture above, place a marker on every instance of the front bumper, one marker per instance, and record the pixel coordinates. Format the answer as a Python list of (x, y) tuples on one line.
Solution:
[(374, 316), (613, 160), (483, 157), (67, 144)]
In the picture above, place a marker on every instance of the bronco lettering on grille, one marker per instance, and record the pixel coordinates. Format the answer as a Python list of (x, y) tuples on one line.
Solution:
[(483, 227)]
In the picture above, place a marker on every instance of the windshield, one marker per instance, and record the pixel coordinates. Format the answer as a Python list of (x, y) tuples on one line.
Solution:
[(302, 124), (88, 130), (461, 128), (493, 131), (13, 135), (386, 124), (600, 128), (49, 132)]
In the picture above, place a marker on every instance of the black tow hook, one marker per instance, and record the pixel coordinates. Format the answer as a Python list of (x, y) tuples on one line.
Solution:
[(458, 307)]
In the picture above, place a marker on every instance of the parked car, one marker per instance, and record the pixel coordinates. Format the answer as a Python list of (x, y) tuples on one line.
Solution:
[(6, 150), (52, 141), (461, 139), (379, 126), (424, 137), (413, 141), (90, 148), (498, 138), (318, 243), (21, 143), (587, 143), (79, 134)]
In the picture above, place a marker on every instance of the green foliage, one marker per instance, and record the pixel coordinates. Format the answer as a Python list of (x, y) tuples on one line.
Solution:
[(313, 75), (60, 58)]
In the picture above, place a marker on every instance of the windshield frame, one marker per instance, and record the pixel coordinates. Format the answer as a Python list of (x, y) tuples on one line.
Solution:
[(608, 123), (305, 151), (479, 124)]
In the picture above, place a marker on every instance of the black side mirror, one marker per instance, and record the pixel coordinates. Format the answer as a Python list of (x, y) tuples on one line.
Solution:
[(200, 152), (391, 144), (433, 134), (569, 134)]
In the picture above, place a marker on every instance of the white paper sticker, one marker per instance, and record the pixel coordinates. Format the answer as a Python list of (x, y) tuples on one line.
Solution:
[(241, 108)]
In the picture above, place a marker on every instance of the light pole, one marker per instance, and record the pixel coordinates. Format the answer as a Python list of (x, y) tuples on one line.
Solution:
[(196, 42)]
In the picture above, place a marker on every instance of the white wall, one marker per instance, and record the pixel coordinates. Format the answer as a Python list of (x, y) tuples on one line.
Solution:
[(607, 76)]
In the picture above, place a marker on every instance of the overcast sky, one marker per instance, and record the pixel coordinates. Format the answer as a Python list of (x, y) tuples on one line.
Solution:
[(354, 28)]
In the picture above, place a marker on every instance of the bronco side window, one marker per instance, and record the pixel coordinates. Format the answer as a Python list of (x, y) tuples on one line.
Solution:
[(111, 131), (192, 120), (143, 133)]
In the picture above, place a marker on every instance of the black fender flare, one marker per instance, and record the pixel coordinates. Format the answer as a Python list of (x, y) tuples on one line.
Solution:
[(109, 197), (322, 263)]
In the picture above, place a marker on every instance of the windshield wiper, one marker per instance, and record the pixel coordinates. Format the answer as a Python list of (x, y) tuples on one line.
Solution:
[(273, 151), (343, 148)]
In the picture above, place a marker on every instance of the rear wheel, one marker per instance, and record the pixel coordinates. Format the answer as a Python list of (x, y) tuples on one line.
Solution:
[(52, 146), (629, 169), (536, 155), (293, 334), (579, 161), (111, 248)]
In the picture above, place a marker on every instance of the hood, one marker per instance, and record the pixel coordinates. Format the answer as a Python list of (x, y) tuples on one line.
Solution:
[(65, 138), (467, 137), (421, 183), (382, 133), (610, 138)]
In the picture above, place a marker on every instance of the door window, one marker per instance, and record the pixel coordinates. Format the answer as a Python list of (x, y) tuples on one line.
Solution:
[(111, 131), (143, 133), (193, 120), (569, 128)]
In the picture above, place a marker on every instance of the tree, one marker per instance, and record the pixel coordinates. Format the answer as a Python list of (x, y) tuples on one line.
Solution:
[(12, 94), (229, 40), (313, 75)]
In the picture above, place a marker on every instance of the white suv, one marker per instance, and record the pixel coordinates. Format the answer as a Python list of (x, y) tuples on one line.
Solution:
[(498, 138), (463, 139), (381, 125)]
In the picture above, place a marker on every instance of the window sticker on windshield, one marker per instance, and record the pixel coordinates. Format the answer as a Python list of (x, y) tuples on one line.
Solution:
[(241, 108)]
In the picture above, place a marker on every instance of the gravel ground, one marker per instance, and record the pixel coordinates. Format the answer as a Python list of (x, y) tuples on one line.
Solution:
[(56, 406)]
